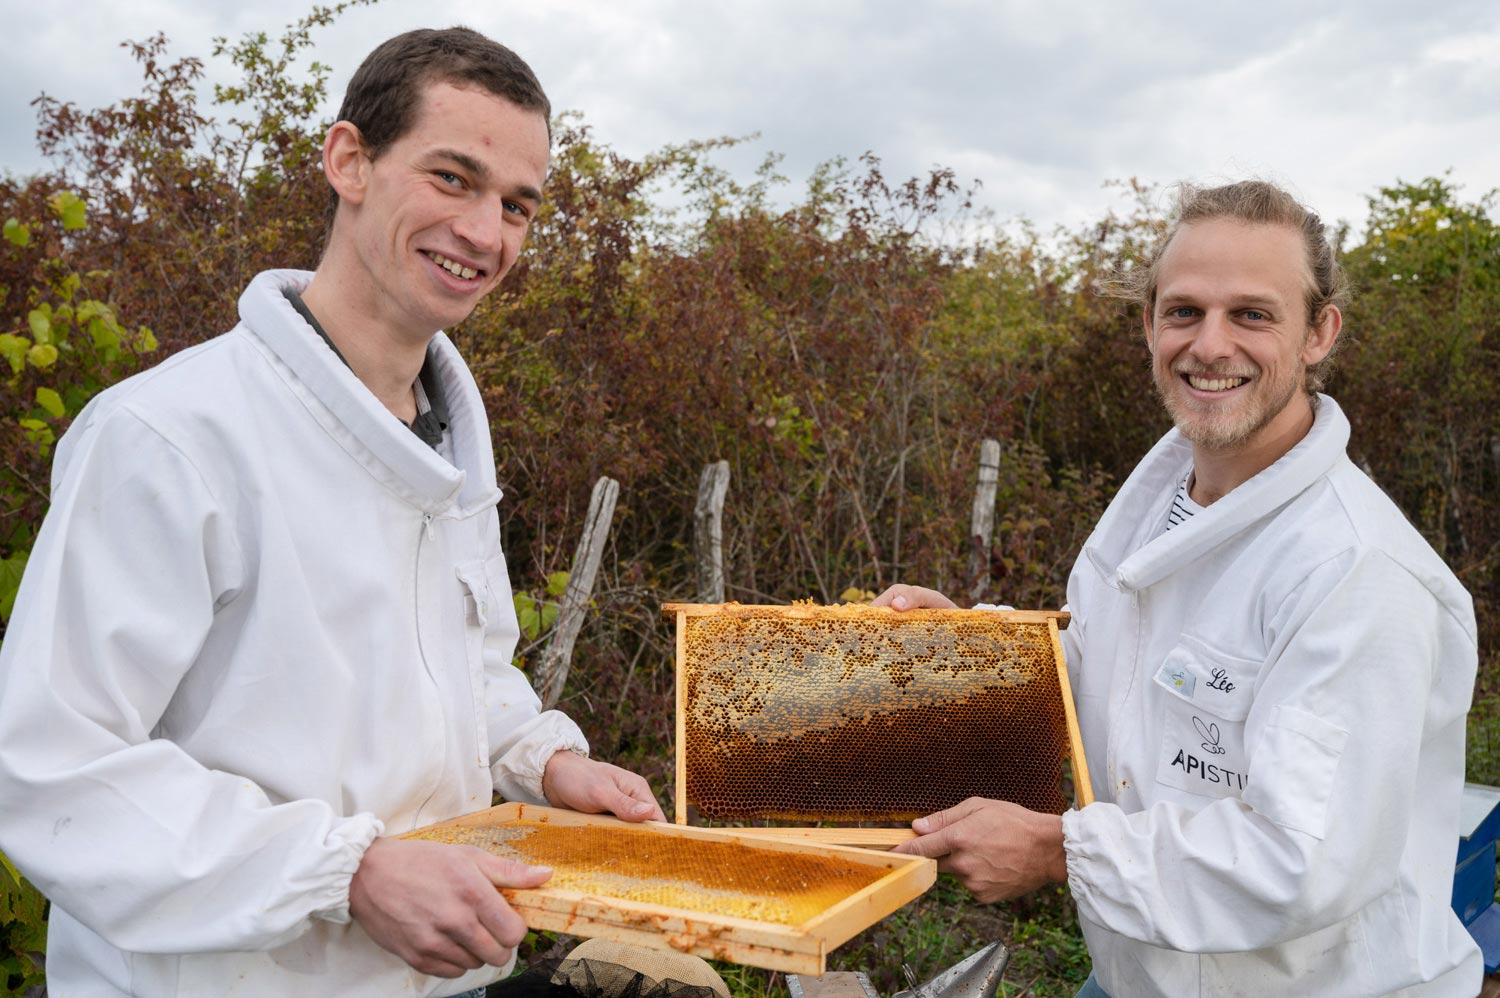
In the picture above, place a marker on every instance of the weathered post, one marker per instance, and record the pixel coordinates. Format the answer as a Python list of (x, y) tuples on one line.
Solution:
[(708, 531), (552, 671), (982, 528)]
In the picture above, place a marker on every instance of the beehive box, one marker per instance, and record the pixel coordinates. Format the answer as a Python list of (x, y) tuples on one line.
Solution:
[(708, 892), (864, 714)]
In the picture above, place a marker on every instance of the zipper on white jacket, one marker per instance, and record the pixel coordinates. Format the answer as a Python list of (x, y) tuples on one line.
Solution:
[(425, 532)]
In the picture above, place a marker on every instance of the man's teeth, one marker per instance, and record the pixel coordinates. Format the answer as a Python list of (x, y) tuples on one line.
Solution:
[(456, 269), (1215, 384)]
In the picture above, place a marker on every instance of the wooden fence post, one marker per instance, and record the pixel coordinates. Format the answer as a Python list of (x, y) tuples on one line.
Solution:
[(708, 531), (982, 528), (552, 671)]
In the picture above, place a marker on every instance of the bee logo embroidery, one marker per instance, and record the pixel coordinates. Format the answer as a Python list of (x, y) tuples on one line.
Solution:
[(1210, 735)]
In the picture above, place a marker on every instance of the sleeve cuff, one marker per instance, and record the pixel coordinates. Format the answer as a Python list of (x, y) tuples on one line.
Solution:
[(1076, 853), (348, 841), (518, 773)]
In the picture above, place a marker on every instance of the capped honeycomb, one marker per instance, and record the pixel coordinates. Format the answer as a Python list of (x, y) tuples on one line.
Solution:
[(849, 713), (636, 864)]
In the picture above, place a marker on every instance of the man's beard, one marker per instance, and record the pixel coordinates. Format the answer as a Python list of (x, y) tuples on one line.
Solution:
[(1215, 430)]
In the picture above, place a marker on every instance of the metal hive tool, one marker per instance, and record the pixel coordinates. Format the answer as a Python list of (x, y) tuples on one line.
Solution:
[(861, 714)]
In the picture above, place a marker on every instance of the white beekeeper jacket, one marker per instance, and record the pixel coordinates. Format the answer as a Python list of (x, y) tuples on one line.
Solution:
[(262, 624), (1272, 699)]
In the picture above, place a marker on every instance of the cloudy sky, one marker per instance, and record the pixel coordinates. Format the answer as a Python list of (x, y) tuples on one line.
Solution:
[(1041, 102)]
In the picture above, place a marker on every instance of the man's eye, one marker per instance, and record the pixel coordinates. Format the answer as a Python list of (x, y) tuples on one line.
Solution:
[(1181, 312), (451, 179), (1255, 315), (516, 208)]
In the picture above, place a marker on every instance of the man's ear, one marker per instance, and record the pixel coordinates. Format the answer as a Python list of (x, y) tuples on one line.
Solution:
[(1146, 325), (346, 162), (1321, 337)]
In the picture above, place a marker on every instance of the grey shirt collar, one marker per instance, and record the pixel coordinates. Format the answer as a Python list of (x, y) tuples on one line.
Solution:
[(432, 408)]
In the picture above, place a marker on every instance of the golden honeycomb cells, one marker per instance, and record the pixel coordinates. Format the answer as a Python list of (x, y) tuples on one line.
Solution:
[(709, 892), (643, 866), (854, 713)]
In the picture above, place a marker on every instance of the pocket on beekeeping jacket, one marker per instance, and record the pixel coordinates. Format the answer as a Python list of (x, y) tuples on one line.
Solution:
[(1204, 696), (483, 617)]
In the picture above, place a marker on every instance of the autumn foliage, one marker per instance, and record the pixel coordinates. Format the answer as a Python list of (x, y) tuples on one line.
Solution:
[(845, 348)]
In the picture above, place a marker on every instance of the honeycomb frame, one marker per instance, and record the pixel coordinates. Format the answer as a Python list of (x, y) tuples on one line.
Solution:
[(709, 892), (863, 714)]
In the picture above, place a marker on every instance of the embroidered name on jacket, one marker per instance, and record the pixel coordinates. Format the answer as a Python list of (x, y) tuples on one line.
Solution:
[(1202, 727)]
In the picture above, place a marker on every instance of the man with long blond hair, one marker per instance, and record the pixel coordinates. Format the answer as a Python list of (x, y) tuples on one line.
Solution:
[(1272, 667)]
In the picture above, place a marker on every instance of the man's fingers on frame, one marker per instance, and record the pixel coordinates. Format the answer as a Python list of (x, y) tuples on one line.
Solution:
[(635, 804), (471, 940), (958, 812), (504, 925), (947, 864), (441, 955), (932, 846), (653, 807), (905, 597), (939, 820), (483, 949), (636, 786), (509, 873), (901, 596)]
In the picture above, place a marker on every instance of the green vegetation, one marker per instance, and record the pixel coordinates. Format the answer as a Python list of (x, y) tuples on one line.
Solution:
[(837, 347), (23, 932)]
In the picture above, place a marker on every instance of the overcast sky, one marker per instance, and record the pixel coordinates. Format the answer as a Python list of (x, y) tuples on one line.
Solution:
[(1041, 102)]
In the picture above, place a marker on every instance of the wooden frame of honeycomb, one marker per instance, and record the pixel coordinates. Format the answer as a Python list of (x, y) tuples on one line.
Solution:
[(709, 892), (864, 714)]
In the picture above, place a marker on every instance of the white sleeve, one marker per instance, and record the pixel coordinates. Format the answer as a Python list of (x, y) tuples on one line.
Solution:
[(1334, 737), (122, 829)]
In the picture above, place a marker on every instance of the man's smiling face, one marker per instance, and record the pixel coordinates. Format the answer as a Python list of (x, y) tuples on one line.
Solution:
[(1230, 341), (445, 208)]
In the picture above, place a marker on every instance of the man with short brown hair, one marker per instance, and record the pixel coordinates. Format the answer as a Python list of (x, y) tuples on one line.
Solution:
[(1272, 668), (267, 625)]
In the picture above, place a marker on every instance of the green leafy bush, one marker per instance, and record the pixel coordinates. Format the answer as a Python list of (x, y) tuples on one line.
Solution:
[(23, 932)]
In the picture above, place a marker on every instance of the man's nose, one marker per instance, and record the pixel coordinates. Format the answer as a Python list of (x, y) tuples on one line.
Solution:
[(480, 224), (1215, 339)]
